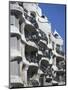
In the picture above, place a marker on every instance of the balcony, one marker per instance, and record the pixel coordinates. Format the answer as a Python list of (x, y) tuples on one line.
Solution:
[(16, 9), (14, 31), (30, 55), (44, 63), (46, 59), (31, 38), (31, 59), (31, 20), (32, 44), (45, 54), (43, 37), (61, 65), (59, 52), (43, 41), (42, 47), (29, 29), (29, 26)]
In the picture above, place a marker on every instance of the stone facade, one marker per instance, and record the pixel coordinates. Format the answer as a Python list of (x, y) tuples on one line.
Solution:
[(36, 56)]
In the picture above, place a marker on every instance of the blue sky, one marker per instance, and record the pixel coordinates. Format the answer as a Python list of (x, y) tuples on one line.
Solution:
[(56, 15)]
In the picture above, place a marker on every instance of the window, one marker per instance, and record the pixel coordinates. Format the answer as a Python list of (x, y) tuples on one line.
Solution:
[(56, 35), (20, 4), (49, 38), (58, 47), (33, 17), (25, 10), (53, 45), (43, 16), (33, 14)]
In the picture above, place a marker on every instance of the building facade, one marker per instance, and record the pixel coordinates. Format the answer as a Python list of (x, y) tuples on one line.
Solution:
[(36, 54)]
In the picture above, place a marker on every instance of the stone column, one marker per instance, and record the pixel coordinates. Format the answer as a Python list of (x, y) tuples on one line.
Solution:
[(44, 80), (23, 73), (22, 29), (25, 76)]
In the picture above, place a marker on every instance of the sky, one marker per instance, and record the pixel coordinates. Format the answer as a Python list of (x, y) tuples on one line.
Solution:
[(56, 15)]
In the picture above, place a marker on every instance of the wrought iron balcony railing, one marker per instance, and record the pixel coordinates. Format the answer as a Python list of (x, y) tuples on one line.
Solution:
[(33, 38), (32, 59), (43, 36), (47, 55), (31, 19)]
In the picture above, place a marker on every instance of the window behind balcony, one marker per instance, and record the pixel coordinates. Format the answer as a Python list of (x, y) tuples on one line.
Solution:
[(42, 48), (43, 36), (27, 35), (33, 14), (58, 47), (33, 19)]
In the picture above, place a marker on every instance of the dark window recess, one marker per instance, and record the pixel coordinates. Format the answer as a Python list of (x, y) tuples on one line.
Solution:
[(46, 53), (33, 14), (20, 4), (12, 2), (42, 48), (25, 10), (53, 45), (49, 38), (31, 57), (58, 47), (32, 36), (43, 16), (56, 35), (20, 28), (31, 19), (58, 50), (44, 65), (12, 24)]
